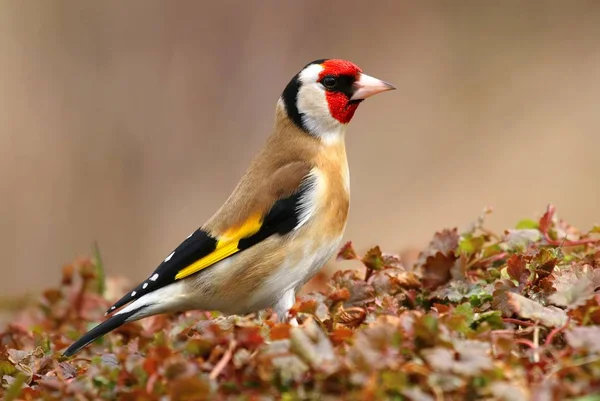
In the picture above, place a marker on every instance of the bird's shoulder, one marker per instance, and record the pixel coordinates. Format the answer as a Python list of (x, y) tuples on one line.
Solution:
[(256, 194)]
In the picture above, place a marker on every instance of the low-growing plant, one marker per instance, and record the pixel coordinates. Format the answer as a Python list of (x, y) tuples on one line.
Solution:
[(511, 316)]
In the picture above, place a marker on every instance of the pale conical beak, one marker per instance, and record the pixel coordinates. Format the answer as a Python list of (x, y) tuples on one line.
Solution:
[(367, 86)]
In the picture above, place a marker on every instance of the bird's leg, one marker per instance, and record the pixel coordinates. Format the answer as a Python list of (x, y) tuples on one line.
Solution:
[(283, 306)]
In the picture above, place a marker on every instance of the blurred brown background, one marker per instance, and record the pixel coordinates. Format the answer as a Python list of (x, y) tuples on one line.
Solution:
[(130, 122)]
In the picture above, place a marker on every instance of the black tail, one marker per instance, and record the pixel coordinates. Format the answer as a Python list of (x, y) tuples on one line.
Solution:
[(106, 326)]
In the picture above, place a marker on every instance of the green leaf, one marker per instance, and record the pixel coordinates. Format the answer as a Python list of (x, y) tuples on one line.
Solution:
[(526, 224), (470, 245), (595, 229), (493, 318), (465, 310)]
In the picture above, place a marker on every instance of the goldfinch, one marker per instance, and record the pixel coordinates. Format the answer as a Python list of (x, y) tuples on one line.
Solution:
[(283, 221)]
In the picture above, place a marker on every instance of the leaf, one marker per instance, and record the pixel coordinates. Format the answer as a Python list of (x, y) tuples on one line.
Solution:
[(373, 259), (575, 286), (470, 245), (595, 229), (544, 262), (519, 240), (417, 394), (347, 252), (313, 346), (586, 338), (67, 274), (528, 309), (507, 391), (189, 388), (352, 317), (339, 295), (546, 219), (517, 268), (468, 358), (340, 335), (13, 392), (437, 270), (360, 291), (373, 346), (280, 331), (391, 261), (527, 224), (444, 242), (110, 360)]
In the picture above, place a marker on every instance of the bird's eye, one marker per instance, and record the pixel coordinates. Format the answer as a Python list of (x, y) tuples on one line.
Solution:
[(329, 82)]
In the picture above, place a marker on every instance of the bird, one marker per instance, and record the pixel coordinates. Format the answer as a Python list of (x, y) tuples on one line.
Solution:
[(283, 221)]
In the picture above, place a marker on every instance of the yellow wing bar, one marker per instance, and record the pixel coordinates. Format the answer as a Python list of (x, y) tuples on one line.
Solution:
[(227, 245)]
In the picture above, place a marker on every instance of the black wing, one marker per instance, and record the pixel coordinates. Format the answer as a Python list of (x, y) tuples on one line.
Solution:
[(282, 218)]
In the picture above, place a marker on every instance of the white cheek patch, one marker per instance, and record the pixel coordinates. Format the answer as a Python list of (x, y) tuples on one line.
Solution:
[(316, 117), (312, 104)]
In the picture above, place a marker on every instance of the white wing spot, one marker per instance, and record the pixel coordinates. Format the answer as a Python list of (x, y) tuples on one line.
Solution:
[(144, 286), (170, 256), (133, 293), (112, 307), (154, 277), (308, 201)]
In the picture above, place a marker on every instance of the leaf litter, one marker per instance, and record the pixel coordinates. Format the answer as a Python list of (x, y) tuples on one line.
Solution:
[(514, 316)]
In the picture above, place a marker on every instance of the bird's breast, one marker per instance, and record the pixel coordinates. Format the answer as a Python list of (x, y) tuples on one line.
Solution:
[(332, 191)]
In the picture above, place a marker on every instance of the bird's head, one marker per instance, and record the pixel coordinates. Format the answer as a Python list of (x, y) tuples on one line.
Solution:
[(322, 98)]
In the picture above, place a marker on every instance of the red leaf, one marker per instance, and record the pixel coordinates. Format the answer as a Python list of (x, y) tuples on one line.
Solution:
[(436, 270), (250, 337), (280, 331), (341, 335), (347, 252), (546, 220), (517, 268), (339, 295), (444, 242)]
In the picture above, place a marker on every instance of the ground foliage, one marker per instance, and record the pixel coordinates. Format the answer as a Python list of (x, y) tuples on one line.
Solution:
[(480, 316)]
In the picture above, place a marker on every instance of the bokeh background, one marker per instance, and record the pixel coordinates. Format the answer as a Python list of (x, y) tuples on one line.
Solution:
[(128, 123)]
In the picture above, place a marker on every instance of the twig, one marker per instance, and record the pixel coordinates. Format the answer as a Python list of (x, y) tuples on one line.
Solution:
[(223, 361), (150, 383), (536, 343), (517, 321), (581, 362), (555, 331), (490, 233), (528, 343), (489, 259)]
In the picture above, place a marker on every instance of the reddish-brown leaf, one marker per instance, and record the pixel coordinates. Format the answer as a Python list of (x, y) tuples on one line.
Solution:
[(341, 335), (373, 259), (546, 219), (444, 242), (347, 252), (436, 270), (517, 268), (339, 295), (280, 331)]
